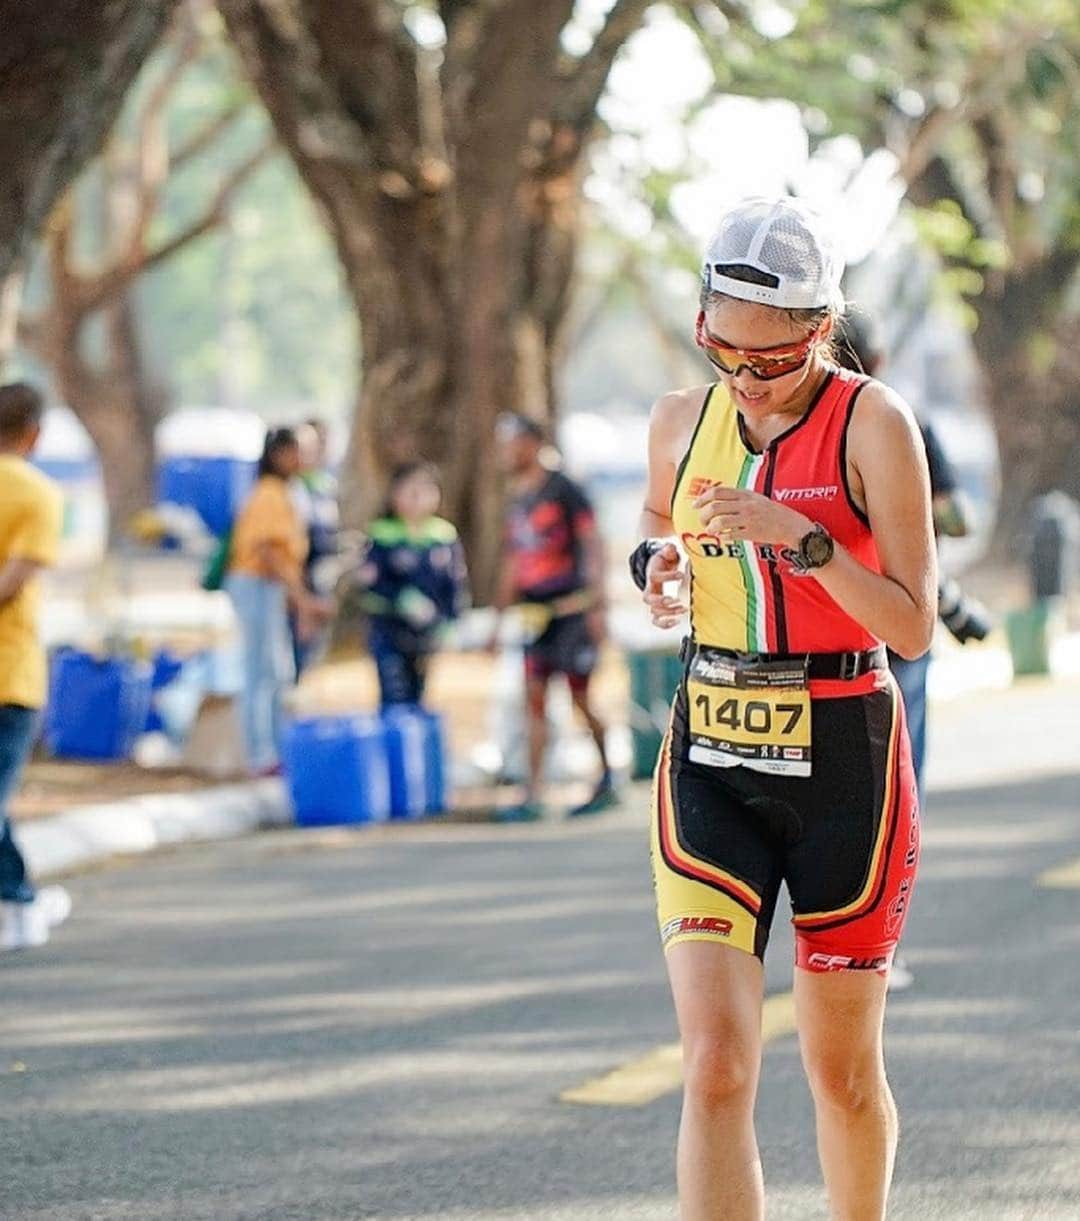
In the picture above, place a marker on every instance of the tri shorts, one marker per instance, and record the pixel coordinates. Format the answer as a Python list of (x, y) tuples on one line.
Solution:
[(845, 839), (565, 647)]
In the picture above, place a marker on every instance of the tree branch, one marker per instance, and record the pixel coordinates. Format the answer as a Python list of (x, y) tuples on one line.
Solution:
[(205, 137), (324, 71), (30, 333), (378, 88), (466, 23), (188, 44), (99, 290), (585, 78)]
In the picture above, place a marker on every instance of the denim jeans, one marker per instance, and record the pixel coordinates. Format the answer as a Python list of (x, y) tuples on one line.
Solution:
[(911, 676), (18, 728), (262, 614)]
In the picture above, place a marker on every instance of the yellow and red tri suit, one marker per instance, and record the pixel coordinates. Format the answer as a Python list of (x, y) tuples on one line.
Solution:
[(845, 836)]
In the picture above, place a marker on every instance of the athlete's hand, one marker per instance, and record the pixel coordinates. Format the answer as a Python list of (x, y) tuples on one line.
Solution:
[(666, 565), (732, 513)]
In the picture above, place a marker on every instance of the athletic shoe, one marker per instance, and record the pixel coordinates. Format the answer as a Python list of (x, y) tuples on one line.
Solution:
[(56, 904), (24, 926), (900, 976), (527, 811), (604, 798)]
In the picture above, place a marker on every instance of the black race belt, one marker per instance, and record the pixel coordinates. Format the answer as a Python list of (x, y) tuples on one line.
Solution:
[(844, 667)]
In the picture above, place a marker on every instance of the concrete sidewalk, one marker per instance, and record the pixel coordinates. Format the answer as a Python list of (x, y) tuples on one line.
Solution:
[(89, 834)]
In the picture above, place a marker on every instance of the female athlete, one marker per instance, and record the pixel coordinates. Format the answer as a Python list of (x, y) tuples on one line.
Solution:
[(790, 499)]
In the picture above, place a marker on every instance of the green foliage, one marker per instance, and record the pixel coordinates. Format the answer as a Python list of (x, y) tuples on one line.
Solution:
[(977, 98), (254, 312)]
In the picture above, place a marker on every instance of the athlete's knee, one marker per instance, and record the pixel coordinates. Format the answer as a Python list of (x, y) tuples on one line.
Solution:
[(845, 1082), (719, 1071)]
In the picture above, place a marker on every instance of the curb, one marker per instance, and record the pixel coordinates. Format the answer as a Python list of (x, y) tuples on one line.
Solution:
[(91, 834)]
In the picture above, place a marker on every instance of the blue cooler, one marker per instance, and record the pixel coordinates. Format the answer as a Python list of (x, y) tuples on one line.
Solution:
[(337, 772), (416, 751), (215, 488), (97, 707)]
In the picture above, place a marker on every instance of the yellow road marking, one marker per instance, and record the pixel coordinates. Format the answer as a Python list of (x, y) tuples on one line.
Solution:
[(660, 1072), (1064, 877)]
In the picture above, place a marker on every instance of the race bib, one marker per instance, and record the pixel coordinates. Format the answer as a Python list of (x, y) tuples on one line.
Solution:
[(749, 713)]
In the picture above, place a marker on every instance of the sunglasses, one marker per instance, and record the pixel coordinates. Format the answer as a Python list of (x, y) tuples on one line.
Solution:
[(763, 363)]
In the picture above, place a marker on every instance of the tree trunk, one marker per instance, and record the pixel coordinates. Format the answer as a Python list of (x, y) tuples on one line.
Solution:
[(65, 68), (124, 427), (1029, 350), (110, 392), (1032, 373), (450, 184)]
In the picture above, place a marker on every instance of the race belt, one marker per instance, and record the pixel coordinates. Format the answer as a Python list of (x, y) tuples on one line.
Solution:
[(747, 711)]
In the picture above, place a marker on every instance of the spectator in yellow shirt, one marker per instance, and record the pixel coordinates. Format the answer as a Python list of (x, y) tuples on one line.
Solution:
[(264, 577), (31, 516)]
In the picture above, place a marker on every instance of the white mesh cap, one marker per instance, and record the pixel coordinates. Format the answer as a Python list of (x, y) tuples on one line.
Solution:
[(781, 244)]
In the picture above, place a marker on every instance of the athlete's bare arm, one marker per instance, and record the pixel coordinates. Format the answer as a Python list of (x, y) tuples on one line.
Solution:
[(890, 477), (671, 427)]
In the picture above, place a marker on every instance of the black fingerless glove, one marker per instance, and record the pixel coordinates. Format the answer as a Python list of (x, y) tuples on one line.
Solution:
[(640, 557)]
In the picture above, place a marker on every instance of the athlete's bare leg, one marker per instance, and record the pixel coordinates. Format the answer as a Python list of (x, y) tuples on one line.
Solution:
[(840, 1016), (718, 992), (580, 695), (536, 716)]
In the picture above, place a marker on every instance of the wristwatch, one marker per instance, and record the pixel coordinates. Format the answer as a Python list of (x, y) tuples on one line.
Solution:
[(816, 548)]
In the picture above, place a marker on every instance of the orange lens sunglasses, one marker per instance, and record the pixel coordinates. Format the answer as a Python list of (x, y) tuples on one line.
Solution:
[(763, 363)]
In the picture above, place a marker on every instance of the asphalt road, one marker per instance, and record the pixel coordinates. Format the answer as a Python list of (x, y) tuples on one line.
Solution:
[(379, 1025)]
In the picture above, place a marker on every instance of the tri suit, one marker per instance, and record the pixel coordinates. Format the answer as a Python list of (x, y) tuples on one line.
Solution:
[(787, 758)]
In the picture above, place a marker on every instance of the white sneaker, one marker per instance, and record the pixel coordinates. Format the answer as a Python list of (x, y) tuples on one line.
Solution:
[(23, 926), (55, 902)]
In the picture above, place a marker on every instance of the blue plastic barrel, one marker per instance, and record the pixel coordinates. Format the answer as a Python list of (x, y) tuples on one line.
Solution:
[(337, 772), (416, 752), (97, 707), (215, 488)]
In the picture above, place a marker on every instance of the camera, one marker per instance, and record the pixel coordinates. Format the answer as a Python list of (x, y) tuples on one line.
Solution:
[(966, 618)]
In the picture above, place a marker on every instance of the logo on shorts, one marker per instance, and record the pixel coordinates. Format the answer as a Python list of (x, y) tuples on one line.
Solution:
[(896, 909), (845, 962), (717, 926)]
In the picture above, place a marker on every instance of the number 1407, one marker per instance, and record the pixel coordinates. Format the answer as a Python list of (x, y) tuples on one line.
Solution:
[(753, 716)]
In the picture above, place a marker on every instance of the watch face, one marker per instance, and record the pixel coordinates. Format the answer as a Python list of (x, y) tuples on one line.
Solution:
[(818, 547)]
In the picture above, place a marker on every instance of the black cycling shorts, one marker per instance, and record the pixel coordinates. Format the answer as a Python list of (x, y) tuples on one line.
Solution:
[(845, 839), (565, 647)]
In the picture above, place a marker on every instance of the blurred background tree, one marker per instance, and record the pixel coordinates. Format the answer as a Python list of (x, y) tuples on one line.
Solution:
[(185, 265), (103, 237), (65, 69), (977, 99), (407, 261), (444, 143)]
